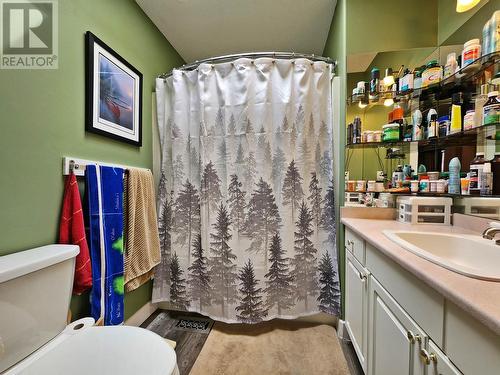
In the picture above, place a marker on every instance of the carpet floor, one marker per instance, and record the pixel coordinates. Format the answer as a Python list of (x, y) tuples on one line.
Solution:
[(278, 347)]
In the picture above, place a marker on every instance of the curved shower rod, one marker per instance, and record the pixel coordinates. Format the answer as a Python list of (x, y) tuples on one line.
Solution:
[(226, 58)]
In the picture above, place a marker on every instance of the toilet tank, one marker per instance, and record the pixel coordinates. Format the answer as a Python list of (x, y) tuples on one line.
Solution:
[(35, 292)]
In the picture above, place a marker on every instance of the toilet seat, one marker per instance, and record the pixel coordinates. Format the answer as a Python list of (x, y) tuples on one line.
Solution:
[(82, 348)]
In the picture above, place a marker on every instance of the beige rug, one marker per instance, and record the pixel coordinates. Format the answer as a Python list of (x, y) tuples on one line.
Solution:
[(276, 347)]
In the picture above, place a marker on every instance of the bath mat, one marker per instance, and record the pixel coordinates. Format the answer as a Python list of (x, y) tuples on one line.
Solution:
[(194, 324), (275, 347)]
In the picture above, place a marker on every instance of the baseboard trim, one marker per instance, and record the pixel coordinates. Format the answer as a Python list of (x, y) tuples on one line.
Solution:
[(142, 314), (341, 333)]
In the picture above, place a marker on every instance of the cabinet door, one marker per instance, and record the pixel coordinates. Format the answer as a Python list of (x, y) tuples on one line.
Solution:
[(395, 340), (356, 245), (356, 306), (437, 362)]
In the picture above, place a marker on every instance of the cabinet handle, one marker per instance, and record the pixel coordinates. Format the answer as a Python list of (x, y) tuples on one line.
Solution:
[(428, 358), (362, 277), (414, 338)]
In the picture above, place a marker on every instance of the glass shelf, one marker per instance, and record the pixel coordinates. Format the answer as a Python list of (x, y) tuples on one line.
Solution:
[(377, 144), (465, 137), (461, 77), (421, 194)]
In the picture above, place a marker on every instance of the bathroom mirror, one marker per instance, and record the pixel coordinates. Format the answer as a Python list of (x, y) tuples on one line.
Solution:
[(369, 161)]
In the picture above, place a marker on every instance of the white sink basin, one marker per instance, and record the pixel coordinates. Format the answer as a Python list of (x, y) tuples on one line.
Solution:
[(469, 255)]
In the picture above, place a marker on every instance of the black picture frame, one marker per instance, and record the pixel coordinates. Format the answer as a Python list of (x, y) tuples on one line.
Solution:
[(113, 98)]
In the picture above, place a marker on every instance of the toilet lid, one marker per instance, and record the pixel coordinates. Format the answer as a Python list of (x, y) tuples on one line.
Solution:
[(106, 350)]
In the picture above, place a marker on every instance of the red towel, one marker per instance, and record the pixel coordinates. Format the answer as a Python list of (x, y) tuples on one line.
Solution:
[(72, 231)]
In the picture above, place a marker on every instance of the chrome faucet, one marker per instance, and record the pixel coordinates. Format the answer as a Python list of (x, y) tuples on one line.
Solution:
[(492, 230)]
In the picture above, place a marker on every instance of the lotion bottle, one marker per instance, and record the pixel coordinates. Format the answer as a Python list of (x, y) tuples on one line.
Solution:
[(456, 119), (454, 182)]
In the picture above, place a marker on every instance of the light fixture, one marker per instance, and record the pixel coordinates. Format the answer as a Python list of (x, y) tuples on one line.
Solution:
[(465, 5), (389, 77), (388, 102)]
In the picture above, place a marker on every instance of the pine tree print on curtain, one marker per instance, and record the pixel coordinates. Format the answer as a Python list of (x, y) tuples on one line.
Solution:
[(187, 216), (279, 290), (178, 295), (199, 287), (246, 200), (292, 188), (329, 296), (304, 261), (251, 308), (222, 262), (263, 218), (237, 204)]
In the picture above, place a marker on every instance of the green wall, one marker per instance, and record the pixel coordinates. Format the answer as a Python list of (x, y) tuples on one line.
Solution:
[(449, 21), (43, 120)]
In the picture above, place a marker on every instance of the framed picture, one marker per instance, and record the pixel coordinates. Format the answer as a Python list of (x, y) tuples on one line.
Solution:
[(113, 93)]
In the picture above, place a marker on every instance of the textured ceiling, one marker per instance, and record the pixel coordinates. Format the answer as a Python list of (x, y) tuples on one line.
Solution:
[(199, 29)]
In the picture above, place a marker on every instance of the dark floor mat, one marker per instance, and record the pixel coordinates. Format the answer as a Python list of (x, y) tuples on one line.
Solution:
[(189, 331)]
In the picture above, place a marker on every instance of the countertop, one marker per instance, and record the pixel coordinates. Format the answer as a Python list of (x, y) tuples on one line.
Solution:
[(479, 298)]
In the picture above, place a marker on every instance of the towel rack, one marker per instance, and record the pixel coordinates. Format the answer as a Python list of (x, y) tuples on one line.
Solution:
[(78, 165)]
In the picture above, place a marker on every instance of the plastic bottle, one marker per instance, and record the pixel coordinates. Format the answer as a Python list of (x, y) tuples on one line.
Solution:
[(486, 38), (479, 103), (397, 176), (456, 113), (374, 84), (417, 80), (476, 167), (491, 109), (427, 131), (417, 125), (356, 138), (443, 125), (495, 168), (432, 74), (495, 32), (454, 182), (433, 128), (491, 34), (350, 132), (486, 179), (451, 65), (471, 52)]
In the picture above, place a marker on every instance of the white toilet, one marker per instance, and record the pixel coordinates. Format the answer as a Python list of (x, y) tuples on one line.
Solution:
[(35, 292)]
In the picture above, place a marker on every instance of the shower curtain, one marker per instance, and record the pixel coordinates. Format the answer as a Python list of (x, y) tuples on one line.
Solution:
[(246, 200)]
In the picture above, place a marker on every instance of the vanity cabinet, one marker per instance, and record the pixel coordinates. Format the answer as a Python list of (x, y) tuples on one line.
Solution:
[(399, 325), (356, 287), (436, 361), (395, 340)]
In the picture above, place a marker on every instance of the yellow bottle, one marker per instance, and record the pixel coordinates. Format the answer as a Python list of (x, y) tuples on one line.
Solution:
[(456, 119)]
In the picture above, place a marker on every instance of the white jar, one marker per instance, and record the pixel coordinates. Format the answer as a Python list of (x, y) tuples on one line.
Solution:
[(471, 52), (361, 186)]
